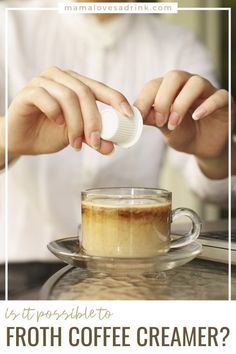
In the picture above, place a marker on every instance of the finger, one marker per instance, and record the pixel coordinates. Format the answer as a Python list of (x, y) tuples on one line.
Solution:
[(145, 99), (218, 100), (107, 148), (69, 104), (170, 87), (42, 100), (150, 119), (196, 87), (106, 94), (90, 114)]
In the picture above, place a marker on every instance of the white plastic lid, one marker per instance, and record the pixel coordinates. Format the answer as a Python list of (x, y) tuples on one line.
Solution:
[(119, 129)]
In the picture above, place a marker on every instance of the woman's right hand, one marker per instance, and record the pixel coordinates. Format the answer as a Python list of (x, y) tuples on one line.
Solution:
[(59, 108)]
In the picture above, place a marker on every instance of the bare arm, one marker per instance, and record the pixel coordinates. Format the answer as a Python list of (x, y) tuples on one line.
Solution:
[(217, 168)]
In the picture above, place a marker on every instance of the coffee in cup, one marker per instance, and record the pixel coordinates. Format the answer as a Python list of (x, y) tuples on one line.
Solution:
[(130, 222)]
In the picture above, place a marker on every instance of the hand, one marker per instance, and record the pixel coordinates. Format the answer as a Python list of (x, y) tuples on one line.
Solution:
[(59, 108), (191, 113)]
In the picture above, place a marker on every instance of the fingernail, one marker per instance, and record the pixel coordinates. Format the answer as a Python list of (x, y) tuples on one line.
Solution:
[(160, 119), (95, 140), (171, 127), (60, 120), (199, 113), (77, 144), (174, 120), (126, 109)]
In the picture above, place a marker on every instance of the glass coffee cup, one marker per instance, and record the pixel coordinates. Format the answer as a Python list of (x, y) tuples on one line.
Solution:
[(132, 222)]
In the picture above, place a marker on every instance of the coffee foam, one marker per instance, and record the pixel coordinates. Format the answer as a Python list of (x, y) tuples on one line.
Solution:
[(125, 202)]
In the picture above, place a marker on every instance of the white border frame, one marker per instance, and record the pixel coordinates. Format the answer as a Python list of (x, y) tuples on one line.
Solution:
[(7, 10)]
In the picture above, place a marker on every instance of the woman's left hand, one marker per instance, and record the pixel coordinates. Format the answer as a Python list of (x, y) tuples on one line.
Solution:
[(191, 113), (193, 116)]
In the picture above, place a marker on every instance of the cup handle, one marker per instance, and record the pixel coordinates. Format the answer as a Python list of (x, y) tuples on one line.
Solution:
[(193, 233)]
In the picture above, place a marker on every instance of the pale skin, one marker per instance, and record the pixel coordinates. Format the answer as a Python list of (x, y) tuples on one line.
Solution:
[(193, 117), (58, 108)]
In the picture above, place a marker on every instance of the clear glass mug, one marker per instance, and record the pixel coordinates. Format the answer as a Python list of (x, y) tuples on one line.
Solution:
[(132, 222)]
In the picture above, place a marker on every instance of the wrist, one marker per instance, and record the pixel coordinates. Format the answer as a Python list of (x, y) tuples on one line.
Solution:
[(217, 168), (214, 168)]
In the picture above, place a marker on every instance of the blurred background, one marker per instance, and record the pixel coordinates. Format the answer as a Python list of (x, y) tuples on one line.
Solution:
[(212, 29)]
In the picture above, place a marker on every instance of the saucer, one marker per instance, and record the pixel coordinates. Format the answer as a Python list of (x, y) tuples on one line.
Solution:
[(68, 250)]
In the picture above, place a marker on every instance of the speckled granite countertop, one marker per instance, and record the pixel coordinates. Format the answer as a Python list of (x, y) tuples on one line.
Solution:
[(197, 280)]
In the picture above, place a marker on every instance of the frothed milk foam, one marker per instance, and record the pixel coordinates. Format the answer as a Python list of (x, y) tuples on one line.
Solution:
[(125, 227)]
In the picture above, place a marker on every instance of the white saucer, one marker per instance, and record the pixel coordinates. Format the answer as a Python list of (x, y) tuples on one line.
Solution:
[(68, 250)]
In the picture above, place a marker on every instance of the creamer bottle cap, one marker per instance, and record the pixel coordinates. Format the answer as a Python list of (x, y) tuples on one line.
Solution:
[(121, 130)]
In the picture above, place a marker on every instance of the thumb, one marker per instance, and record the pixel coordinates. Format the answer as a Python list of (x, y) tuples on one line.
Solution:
[(150, 120)]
